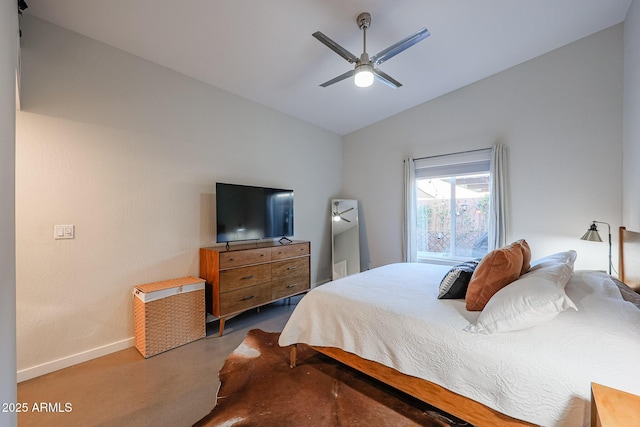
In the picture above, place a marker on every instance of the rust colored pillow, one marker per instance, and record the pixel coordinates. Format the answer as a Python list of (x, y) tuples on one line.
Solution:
[(526, 256), (496, 270)]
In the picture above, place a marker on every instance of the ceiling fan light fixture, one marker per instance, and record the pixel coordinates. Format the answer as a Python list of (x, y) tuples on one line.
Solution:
[(364, 75)]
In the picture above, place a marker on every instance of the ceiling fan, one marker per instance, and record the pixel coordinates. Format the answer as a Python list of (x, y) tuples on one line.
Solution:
[(365, 70), (337, 215)]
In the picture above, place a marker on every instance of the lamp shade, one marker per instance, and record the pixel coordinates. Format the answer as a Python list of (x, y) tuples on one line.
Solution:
[(364, 75), (592, 234)]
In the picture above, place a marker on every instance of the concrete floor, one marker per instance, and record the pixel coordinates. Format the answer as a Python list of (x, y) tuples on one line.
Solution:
[(174, 388)]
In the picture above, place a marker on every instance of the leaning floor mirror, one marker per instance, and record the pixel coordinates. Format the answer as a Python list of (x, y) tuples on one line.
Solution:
[(345, 238)]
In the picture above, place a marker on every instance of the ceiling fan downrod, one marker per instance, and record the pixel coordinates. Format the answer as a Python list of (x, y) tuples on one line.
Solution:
[(364, 22), (364, 70)]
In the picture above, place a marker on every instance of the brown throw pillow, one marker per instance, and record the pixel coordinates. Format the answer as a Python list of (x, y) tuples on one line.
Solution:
[(496, 270), (526, 256)]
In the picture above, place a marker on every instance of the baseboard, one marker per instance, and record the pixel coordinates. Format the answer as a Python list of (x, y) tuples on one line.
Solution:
[(65, 362)]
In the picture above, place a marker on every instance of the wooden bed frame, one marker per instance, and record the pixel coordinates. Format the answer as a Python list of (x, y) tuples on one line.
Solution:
[(426, 391), (629, 248)]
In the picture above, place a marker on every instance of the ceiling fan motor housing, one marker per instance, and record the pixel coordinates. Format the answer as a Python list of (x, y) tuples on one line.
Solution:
[(364, 20)]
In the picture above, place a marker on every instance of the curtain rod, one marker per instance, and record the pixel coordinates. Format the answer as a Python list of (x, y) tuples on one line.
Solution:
[(451, 154)]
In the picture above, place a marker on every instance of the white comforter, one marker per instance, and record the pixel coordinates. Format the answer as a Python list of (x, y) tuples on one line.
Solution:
[(542, 375)]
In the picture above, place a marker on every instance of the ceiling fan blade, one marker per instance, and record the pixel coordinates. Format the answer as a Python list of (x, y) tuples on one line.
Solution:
[(339, 78), (402, 45), (344, 219), (335, 47), (350, 209), (386, 79)]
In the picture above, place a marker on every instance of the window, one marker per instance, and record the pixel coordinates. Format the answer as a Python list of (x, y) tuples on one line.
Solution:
[(452, 206)]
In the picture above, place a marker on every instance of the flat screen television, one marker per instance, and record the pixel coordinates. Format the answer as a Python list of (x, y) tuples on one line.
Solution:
[(245, 212)]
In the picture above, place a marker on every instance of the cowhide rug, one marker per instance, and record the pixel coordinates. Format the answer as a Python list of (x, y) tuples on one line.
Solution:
[(260, 389)]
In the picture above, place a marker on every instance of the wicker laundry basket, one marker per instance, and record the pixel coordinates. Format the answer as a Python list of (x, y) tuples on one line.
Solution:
[(168, 314)]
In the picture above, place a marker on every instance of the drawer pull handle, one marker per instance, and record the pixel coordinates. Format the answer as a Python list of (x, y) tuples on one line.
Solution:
[(293, 267), (293, 285), (247, 298), (247, 277)]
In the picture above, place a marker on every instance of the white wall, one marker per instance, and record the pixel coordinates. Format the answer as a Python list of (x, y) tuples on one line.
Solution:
[(560, 116), (129, 152), (8, 55), (631, 146)]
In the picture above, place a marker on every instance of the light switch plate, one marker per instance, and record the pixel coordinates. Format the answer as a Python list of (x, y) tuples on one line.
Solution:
[(64, 232)]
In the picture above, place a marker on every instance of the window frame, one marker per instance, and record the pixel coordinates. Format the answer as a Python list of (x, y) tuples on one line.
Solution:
[(451, 165)]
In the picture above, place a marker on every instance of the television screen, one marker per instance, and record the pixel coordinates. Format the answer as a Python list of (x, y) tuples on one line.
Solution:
[(247, 213)]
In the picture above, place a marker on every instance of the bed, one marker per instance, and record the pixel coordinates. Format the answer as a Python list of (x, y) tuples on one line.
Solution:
[(389, 323)]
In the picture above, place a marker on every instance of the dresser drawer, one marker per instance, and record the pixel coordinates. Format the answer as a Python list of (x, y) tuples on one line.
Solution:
[(285, 268), (245, 298), (288, 251), (290, 285), (237, 278), (245, 257)]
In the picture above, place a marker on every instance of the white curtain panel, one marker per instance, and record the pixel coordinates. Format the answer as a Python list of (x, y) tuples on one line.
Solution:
[(498, 220), (409, 222)]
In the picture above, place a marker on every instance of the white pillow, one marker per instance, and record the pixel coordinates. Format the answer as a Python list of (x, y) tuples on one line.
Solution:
[(568, 257), (535, 298)]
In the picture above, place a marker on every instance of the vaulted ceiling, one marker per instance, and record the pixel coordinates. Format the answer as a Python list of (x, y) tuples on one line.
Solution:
[(264, 51)]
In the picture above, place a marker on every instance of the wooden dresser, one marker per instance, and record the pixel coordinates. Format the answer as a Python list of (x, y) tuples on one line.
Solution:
[(247, 276)]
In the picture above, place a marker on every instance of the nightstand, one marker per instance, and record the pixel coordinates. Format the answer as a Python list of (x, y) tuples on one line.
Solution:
[(613, 408)]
